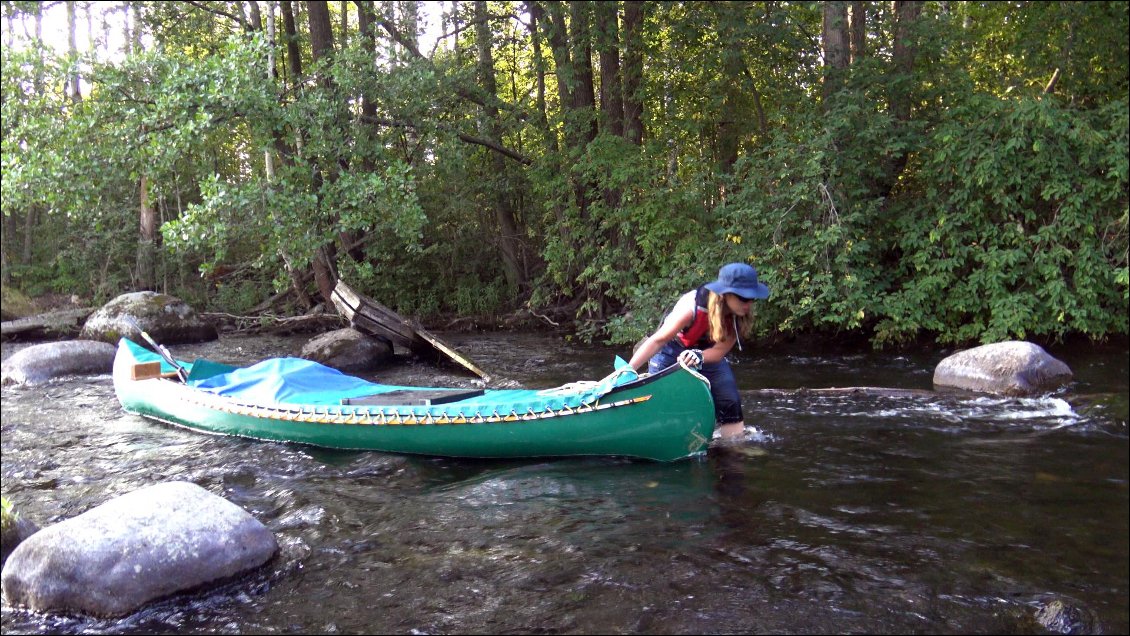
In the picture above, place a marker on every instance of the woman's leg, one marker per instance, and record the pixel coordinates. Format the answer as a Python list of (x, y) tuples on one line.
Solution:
[(727, 402), (661, 360), (731, 431)]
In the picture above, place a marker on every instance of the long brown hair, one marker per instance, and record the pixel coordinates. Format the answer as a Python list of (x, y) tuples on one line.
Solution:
[(723, 322)]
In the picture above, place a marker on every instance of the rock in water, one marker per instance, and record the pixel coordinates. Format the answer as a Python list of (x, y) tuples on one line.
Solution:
[(1065, 618), (148, 544), (348, 350), (1013, 368), (42, 362), (167, 319)]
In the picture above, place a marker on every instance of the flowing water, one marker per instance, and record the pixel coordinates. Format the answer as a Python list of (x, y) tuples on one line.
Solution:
[(896, 512)]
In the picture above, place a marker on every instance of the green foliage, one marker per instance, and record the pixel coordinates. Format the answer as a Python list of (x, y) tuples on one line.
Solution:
[(8, 514), (988, 211), (15, 303), (1017, 46), (1017, 221), (799, 217)]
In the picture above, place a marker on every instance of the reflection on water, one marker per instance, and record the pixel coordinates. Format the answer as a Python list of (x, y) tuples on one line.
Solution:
[(903, 513)]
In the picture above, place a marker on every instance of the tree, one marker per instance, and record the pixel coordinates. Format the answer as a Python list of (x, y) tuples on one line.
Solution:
[(840, 146), (633, 72), (836, 53), (509, 236)]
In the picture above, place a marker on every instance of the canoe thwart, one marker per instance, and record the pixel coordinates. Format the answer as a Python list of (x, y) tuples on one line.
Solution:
[(414, 398), (149, 370)]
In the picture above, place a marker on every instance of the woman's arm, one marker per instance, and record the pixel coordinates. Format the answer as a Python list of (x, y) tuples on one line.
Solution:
[(679, 318), (719, 350)]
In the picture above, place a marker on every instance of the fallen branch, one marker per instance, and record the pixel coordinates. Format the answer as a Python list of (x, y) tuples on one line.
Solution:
[(542, 316), (270, 323), (851, 390), (66, 322)]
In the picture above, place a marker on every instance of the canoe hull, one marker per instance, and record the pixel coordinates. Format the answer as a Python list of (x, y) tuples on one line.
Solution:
[(663, 417)]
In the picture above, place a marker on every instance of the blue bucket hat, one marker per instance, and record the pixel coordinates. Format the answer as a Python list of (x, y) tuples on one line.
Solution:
[(739, 279)]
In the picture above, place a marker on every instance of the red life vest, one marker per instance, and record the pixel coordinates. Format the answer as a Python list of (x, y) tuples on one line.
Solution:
[(697, 334)]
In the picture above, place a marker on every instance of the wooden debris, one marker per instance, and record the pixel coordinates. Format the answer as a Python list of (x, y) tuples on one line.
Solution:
[(369, 316)]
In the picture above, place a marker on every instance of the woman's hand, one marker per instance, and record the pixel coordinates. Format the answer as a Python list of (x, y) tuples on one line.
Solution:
[(692, 358)]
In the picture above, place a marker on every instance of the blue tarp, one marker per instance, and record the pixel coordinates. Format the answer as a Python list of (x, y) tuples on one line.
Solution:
[(303, 382), (289, 381)]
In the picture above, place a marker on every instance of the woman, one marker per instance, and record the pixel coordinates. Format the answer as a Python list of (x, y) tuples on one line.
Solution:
[(701, 329)]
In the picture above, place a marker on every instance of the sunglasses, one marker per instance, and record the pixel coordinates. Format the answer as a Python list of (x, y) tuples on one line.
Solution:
[(743, 299)]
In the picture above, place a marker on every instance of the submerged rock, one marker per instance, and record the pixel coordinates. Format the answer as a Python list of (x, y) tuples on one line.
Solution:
[(1013, 368), (42, 362), (142, 546), (167, 319), (1064, 618)]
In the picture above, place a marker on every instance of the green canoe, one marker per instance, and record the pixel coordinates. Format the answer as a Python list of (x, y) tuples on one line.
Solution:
[(664, 416)]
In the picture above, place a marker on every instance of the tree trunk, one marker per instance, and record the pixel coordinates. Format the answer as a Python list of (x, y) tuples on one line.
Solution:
[(74, 88), (321, 30), (836, 54), (906, 14), (508, 238), (553, 22), (32, 218), (146, 246), (281, 150), (608, 47), (322, 47), (584, 97), (293, 53), (536, 13), (256, 23), (632, 71), (572, 57), (455, 28), (731, 124), (858, 25), (344, 23), (135, 13), (366, 24), (410, 17)]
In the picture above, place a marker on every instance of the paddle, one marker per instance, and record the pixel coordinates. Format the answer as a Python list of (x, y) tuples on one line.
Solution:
[(162, 351)]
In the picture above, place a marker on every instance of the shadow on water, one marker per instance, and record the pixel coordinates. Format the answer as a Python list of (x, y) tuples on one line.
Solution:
[(913, 513)]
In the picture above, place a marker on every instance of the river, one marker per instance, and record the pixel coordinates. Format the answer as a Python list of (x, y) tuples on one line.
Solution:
[(904, 513)]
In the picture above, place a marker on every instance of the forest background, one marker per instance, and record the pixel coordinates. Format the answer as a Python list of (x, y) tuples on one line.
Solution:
[(947, 172)]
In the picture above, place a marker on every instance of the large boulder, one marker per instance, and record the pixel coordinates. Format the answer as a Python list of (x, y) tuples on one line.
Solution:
[(348, 350), (148, 544), (1005, 368), (167, 319), (42, 362)]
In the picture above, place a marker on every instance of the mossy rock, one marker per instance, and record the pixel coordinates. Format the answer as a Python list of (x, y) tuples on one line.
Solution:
[(167, 319)]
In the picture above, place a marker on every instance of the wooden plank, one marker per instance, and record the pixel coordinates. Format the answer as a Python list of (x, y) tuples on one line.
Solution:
[(453, 354), (369, 316), (147, 370)]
